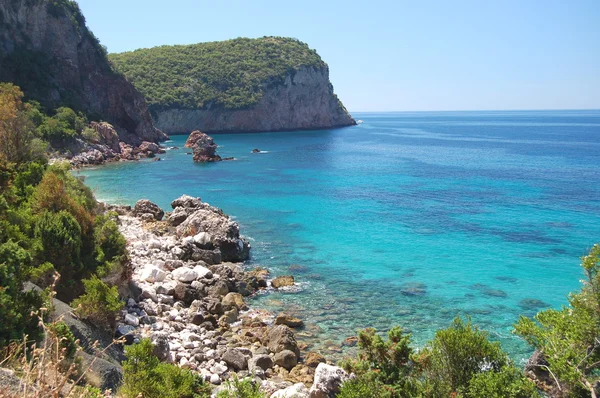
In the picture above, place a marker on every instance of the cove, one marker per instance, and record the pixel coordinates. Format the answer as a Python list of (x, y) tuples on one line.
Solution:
[(406, 219)]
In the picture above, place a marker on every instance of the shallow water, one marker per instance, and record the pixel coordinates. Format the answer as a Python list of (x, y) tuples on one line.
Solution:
[(407, 218)]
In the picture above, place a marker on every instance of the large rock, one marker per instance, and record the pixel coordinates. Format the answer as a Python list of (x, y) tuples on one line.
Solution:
[(261, 361), (298, 390), (204, 147), (313, 359), (223, 231), (144, 206), (108, 135), (286, 359), (186, 201), (282, 281), (281, 338), (234, 300), (235, 359), (46, 49), (288, 320), (184, 274), (328, 381)]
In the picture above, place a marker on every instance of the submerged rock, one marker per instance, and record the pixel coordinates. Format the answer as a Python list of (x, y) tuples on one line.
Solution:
[(282, 281)]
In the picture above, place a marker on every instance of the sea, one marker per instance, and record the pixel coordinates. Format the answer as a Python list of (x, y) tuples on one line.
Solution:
[(408, 218)]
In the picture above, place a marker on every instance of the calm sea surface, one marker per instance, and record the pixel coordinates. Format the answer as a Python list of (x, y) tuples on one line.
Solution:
[(406, 219)]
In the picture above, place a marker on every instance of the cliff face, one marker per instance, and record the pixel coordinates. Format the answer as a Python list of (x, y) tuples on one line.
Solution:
[(46, 49), (305, 100)]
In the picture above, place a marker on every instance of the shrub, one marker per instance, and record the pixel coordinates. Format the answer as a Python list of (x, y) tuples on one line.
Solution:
[(458, 353), (110, 243), (60, 235), (16, 306), (508, 382), (364, 387), (241, 388), (382, 362), (100, 303), (145, 375)]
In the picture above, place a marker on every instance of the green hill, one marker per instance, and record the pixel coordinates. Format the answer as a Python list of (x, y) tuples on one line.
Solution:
[(230, 74)]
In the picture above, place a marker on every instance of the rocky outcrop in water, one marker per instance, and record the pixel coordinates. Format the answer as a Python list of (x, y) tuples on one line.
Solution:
[(205, 149), (47, 50), (304, 100)]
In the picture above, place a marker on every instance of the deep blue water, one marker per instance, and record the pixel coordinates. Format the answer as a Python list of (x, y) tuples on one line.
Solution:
[(407, 218)]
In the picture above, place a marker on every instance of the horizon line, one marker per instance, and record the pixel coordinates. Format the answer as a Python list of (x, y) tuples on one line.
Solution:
[(479, 110)]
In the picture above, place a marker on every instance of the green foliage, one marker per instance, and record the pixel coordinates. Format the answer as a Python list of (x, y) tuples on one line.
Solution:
[(65, 337), (100, 303), (568, 338), (231, 74), (364, 387), (383, 362), (144, 374), (508, 382), (241, 388), (16, 306), (42, 275), (60, 236), (65, 125), (456, 354), (110, 244)]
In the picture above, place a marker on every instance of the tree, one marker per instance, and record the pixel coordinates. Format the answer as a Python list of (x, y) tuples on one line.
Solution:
[(17, 139), (569, 338)]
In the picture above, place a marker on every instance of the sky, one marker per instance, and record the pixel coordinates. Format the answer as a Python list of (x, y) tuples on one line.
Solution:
[(397, 55)]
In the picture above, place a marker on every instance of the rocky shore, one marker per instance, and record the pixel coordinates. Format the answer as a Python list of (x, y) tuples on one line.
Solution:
[(188, 295), (105, 147)]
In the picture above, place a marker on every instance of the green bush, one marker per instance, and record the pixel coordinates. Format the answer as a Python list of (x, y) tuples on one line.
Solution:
[(508, 382), (100, 303), (364, 387), (109, 241), (458, 353), (241, 388), (144, 374), (66, 339), (60, 235), (16, 306)]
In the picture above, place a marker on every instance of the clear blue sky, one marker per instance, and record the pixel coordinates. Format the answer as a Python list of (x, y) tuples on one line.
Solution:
[(397, 55)]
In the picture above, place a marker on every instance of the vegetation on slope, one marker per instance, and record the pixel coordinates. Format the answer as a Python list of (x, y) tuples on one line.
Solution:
[(231, 73)]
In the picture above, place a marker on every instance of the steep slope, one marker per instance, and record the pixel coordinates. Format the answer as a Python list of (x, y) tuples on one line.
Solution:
[(265, 84), (47, 50)]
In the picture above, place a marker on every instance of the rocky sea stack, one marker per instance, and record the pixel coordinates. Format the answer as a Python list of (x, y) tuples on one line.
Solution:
[(240, 85), (47, 50), (205, 149)]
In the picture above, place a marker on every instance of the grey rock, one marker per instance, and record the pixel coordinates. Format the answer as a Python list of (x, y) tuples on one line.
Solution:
[(286, 359), (328, 381), (144, 206), (235, 359), (281, 338)]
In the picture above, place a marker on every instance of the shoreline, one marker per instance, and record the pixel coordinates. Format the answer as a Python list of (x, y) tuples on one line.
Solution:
[(187, 294)]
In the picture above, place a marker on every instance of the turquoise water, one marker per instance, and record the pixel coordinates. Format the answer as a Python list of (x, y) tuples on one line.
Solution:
[(407, 218)]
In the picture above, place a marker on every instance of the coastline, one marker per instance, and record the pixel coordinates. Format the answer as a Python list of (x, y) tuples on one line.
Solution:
[(187, 294)]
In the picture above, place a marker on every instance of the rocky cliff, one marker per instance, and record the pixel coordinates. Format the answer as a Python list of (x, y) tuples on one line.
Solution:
[(240, 85), (304, 100), (46, 49)]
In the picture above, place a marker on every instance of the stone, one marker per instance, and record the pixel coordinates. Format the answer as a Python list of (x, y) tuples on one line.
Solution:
[(233, 300), (197, 318), (184, 274), (288, 320), (148, 148), (262, 361), (186, 201), (282, 281), (144, 206), (281, 338), (202, 272), (313, 359), (161, 345), (152, 274), (298, 390), (132, 320), (328, 381), (256, 150), (177, 216), (215, 379), (286, 359), (235, 359), (203, 240)]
